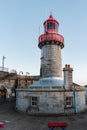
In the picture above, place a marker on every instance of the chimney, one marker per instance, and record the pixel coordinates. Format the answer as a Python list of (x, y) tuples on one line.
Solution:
[(68, 77)]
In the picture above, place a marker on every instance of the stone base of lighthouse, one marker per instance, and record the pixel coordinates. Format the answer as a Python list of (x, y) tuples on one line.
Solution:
[(48, 96)]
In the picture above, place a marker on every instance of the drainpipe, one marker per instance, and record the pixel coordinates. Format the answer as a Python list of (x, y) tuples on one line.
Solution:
[(64, 99), (75, 107)]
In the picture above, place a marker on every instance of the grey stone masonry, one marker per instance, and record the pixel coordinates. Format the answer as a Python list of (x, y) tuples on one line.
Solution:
[(51, 65), (68, 78), (51, 100)]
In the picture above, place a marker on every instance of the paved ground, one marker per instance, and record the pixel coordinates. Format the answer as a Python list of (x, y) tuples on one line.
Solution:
[(14, 120)]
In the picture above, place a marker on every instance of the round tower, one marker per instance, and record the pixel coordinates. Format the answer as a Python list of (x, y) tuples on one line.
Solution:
[(51, 43)]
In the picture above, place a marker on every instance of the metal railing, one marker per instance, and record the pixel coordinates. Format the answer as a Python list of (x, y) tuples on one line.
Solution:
[(3, 69), (51, 36)]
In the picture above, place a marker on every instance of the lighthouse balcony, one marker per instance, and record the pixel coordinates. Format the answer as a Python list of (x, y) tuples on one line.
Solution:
[(57, 38)]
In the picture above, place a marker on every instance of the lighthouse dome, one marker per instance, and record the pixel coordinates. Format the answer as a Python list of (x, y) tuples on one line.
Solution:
[(51, 19), (49, 81)]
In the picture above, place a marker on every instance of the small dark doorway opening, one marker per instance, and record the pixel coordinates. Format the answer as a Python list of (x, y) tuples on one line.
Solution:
[(2, 94)]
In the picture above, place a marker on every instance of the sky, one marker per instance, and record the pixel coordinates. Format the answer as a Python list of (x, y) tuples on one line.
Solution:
[(21, 23)]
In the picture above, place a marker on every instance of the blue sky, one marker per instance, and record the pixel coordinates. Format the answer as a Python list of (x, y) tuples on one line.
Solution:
[(20, 21)]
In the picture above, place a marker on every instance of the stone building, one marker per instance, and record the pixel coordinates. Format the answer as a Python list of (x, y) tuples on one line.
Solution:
[(9, 81), (53, 93)]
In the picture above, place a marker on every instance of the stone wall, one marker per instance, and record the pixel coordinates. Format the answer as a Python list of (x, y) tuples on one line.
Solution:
[(50, 102), (10, 81), (68, 76), (51, 65)]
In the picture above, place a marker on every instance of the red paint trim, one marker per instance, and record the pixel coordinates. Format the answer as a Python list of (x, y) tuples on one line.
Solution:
[(51, 36)]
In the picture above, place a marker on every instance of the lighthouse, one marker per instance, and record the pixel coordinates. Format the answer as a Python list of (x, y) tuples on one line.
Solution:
[(51, 43), (52, 93)]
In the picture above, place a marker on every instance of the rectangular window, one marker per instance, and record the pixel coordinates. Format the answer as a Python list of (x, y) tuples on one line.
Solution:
[(34, 101), (69, 102), (50, 25)]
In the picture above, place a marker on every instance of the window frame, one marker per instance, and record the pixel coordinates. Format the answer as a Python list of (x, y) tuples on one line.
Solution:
[(33, 101), (50, 25), (69, 101)]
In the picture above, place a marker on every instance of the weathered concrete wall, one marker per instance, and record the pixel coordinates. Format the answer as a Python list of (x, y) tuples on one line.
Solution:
[(80, 101), (22, 100), (48, 102)]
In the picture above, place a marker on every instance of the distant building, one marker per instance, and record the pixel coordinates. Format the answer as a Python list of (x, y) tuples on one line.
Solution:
[(9, 81)]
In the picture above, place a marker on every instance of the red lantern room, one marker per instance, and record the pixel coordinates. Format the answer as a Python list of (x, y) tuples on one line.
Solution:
[(51, 25), (51, 33)]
